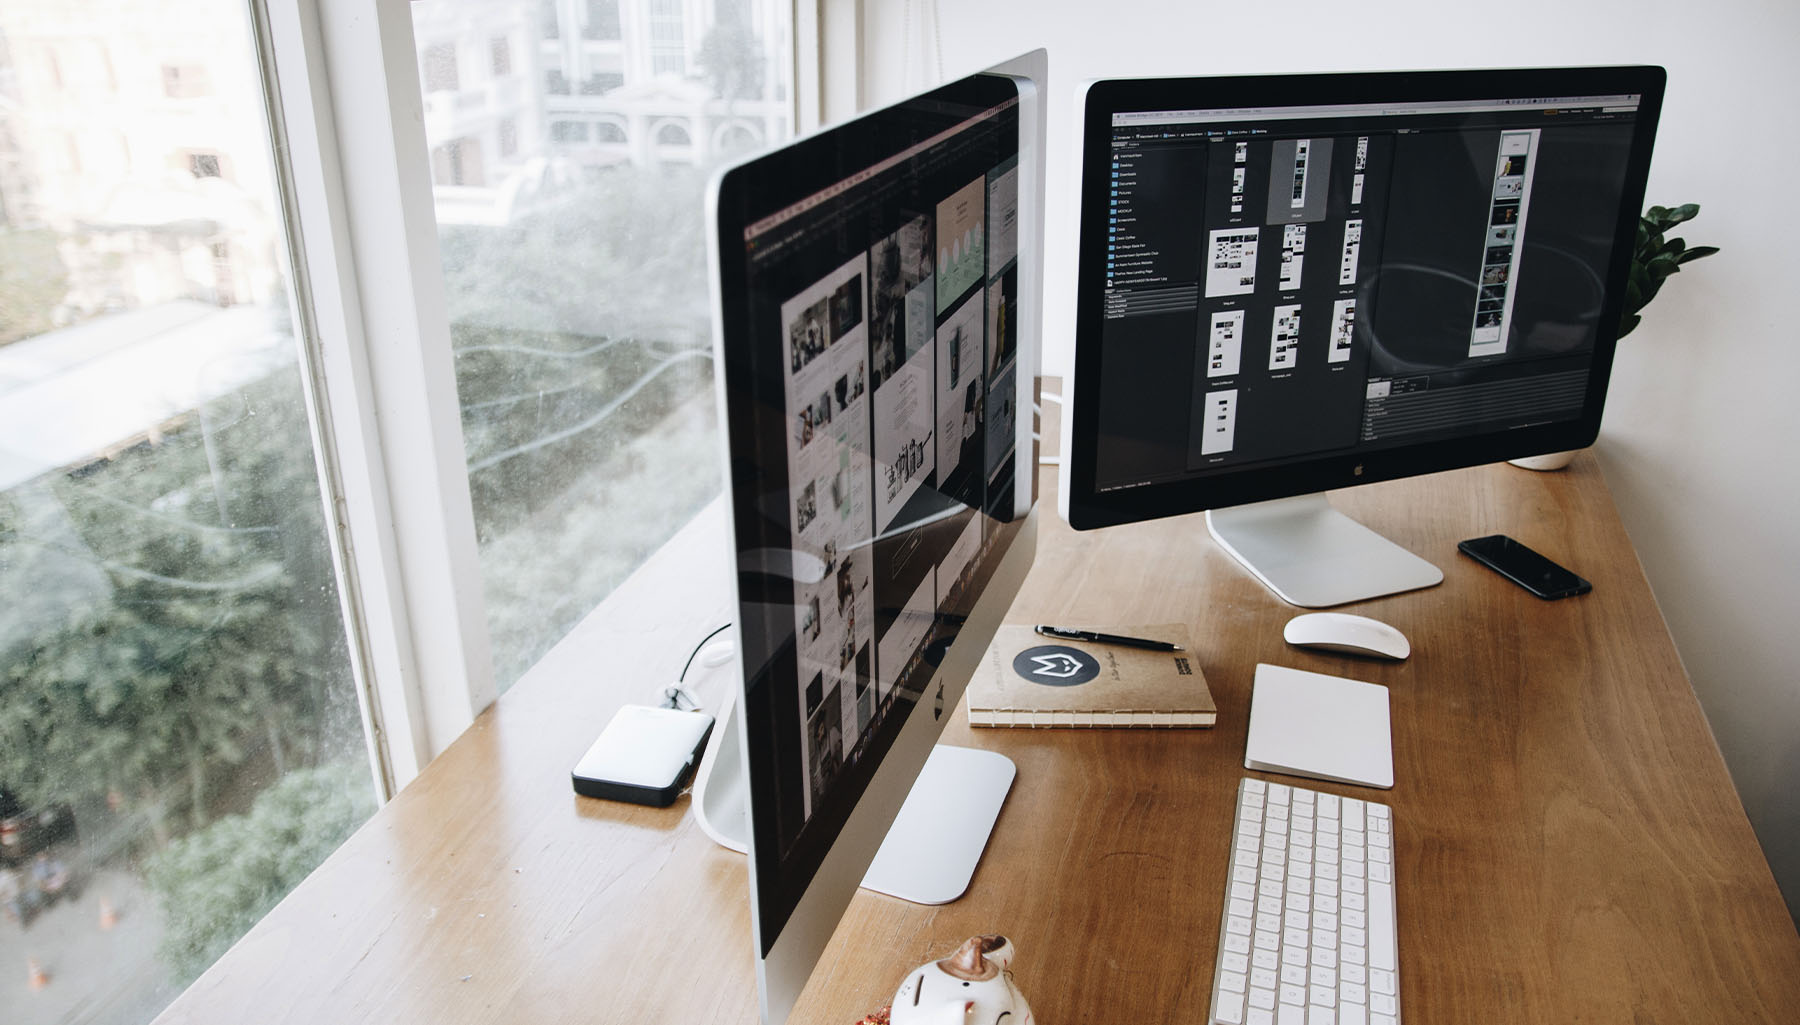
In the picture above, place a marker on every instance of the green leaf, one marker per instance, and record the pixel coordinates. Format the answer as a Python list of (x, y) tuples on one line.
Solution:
[(1662, 267), (1629, 323), (1697, 252), (1685, 212)]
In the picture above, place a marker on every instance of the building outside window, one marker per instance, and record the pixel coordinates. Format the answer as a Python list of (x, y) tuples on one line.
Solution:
[(578, 303)]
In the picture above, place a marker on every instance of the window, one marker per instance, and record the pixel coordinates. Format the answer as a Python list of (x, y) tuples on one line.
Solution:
[(568, 131), (203, 165), (601, 82), (180, 81), (439, 68), (579, 318), (509, 137), (500, 50), (602, 20), (668, 44), (177, 691)]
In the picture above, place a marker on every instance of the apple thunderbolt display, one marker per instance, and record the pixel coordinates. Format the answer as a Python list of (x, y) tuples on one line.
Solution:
[(1289, 284)]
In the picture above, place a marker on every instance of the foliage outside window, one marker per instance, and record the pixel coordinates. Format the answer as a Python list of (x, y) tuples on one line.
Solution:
[(171, 648)]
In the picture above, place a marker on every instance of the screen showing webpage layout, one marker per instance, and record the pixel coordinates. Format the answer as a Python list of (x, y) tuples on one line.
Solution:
[(886, 313), (1286, 282)]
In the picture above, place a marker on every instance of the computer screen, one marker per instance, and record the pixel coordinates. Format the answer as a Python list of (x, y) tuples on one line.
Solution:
[(1295, 283), (877, 346)]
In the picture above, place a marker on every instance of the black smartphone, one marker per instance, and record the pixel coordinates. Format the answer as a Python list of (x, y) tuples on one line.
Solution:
[(1524, 567)]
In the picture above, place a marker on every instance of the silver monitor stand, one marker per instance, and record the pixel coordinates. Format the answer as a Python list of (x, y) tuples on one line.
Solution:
[(931, 850), (1313, 556)]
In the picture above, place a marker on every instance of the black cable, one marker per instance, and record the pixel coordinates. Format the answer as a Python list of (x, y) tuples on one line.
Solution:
[(695, 653)]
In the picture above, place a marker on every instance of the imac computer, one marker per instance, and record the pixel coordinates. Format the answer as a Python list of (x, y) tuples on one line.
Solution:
[(877, 297), (1289, 284)]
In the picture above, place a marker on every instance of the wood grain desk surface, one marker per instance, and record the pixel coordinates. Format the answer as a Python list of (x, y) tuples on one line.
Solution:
[(1568, 844)]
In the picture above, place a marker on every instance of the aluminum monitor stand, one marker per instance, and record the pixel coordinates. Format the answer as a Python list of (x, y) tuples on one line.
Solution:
[(1314, 556), (931, 850)]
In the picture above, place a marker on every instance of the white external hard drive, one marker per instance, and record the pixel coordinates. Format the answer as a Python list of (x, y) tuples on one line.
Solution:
[(644, 755)]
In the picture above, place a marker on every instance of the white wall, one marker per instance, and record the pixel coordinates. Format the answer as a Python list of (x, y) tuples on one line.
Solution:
[(1699, 438)]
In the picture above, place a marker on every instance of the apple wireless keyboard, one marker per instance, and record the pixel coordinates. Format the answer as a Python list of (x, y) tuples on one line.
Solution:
[(1308, 931)]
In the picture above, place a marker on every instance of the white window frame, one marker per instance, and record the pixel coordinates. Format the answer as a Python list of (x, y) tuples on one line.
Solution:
[(341, 77)]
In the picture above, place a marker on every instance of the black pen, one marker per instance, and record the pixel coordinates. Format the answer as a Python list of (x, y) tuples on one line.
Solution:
[(1100, 638)]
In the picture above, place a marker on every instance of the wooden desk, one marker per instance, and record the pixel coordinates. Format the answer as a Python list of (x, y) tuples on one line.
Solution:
[(1569, 847)]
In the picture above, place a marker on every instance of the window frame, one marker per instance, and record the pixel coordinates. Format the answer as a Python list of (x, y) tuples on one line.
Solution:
[(378, 364)]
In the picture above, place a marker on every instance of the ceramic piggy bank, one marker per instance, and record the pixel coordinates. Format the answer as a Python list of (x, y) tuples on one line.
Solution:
[(970, 987)]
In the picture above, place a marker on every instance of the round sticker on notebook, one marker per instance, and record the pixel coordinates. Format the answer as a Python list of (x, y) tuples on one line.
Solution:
[(1056, 665)]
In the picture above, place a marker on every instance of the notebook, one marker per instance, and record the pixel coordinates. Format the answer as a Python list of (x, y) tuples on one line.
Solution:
[(1324, 727), (1026, 680)]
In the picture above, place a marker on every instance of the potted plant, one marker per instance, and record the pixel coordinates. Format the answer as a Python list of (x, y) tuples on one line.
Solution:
[(1654, 259)]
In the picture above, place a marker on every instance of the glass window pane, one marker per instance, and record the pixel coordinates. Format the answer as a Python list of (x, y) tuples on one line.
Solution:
[(576, 274), (180, 738)]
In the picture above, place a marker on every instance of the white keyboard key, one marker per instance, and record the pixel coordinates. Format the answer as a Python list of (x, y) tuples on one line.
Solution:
[(1232, 982), (1307, 797), (1240, 907), (1258, 1016), (1262, 978), (1381, 1003), (1268, 904), (1383, 981), (1237, 924), (1328, 803), (1324, 920), (1264, 941), (1269, 922), (1316, 1015), (1231, 1008), (1382, 952), (1235, 962), (1353, 993), (1322, 996), (1265, 959), (1352, 811), (1293, 975), (1323, 976), (1293, 995), (1325, 902), (1255, 786), (1294, 955), (1354, 937), (1326, 956), (1294, 938), (1377, 811), (1383, 1019), (1279, 793), (1352, 1014), (1263, 998), (1379, 854), (1290, 1014), (1380, 873), (1242, 890), (1354, 973)]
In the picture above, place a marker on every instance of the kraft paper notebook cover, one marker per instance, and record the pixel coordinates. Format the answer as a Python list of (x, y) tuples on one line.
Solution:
[(1033, 681)]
